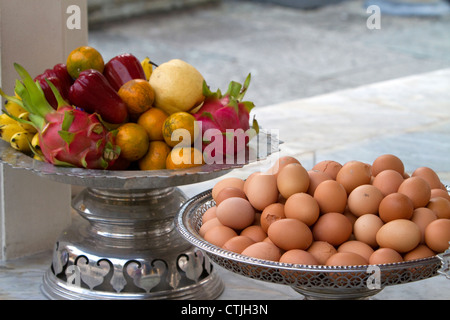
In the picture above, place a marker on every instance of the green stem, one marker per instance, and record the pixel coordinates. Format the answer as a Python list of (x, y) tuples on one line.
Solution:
[(31, 94)]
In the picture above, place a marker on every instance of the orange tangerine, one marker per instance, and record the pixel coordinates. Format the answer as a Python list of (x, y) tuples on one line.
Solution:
[(184, 157), (132, 140), (138, 95), (83, 58), (156, 156), (180, 129), (152, 120)]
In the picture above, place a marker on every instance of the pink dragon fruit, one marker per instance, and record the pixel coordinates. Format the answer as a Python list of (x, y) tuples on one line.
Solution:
[(67, 136), (225, 120)]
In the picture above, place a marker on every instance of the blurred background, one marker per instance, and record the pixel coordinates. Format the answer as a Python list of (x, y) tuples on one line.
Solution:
[(293, 49)]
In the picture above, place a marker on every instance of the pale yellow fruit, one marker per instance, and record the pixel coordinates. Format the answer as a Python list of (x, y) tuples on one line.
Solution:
[(178, 86), (21, 141), (148, 67), (14, 108)]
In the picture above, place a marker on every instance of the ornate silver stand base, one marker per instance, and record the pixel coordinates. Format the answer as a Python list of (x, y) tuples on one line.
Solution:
[(127, 247)]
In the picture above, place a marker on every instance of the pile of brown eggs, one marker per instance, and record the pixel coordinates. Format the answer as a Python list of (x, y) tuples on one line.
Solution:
[(334, 214)]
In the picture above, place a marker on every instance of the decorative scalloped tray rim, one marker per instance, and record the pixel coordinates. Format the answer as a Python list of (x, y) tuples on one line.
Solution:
[(127, 178)]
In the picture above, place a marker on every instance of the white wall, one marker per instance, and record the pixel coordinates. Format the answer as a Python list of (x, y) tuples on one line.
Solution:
[(34, 33)]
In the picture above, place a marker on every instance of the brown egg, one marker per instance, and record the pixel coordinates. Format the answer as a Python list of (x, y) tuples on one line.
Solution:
[(385, 255), (331, 196), (209, 214), (256, 233), (429, 175), (270, 214), (297, 256), (438, 192), (315, 178), (419, 252), (422, 217), (346, 259), (321, 250), (395, 206), (437, 235), (213, 222), (417, 189), (247, 181), (218, 235), (355, 246), (364, 199), (257, 221), (302, 206), (366, 227), (293, 178), (290, 234), (333, 228), (440, 206), (227, 182), (236, 213), (262, 190), (263, 250), (350, 216), (385, 162), (388, 181), (229, 192), (281, 163), (354, 173), (401, 235), (237, 244), (329, 167), (267, 240), (281, 199)]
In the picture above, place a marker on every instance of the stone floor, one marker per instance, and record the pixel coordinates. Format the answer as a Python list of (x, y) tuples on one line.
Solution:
[(291, 53)]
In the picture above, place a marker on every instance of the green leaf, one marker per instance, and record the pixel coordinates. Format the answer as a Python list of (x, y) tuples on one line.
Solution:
[(22, 92), (63, 163), (233, 104), (103, 163), (33, 96), (67, 120), (11, 98), (111, 152), (17, 119), (38, 121), (248, 105), (208, 115), (66, 136), (244, 88), (208, 93), (97, 128), (98, 144), (233, 89), (57, 94), (255, 125), (84, 162)]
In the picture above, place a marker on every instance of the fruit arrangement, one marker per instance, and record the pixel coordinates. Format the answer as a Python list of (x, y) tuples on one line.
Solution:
[(124, 114), (334, 214)]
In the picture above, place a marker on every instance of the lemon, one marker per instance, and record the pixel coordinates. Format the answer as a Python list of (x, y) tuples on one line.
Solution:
[(177, 85)]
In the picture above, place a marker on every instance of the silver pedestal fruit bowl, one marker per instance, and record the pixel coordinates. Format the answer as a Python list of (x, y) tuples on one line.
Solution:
[(123, 244), (311, 281)]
